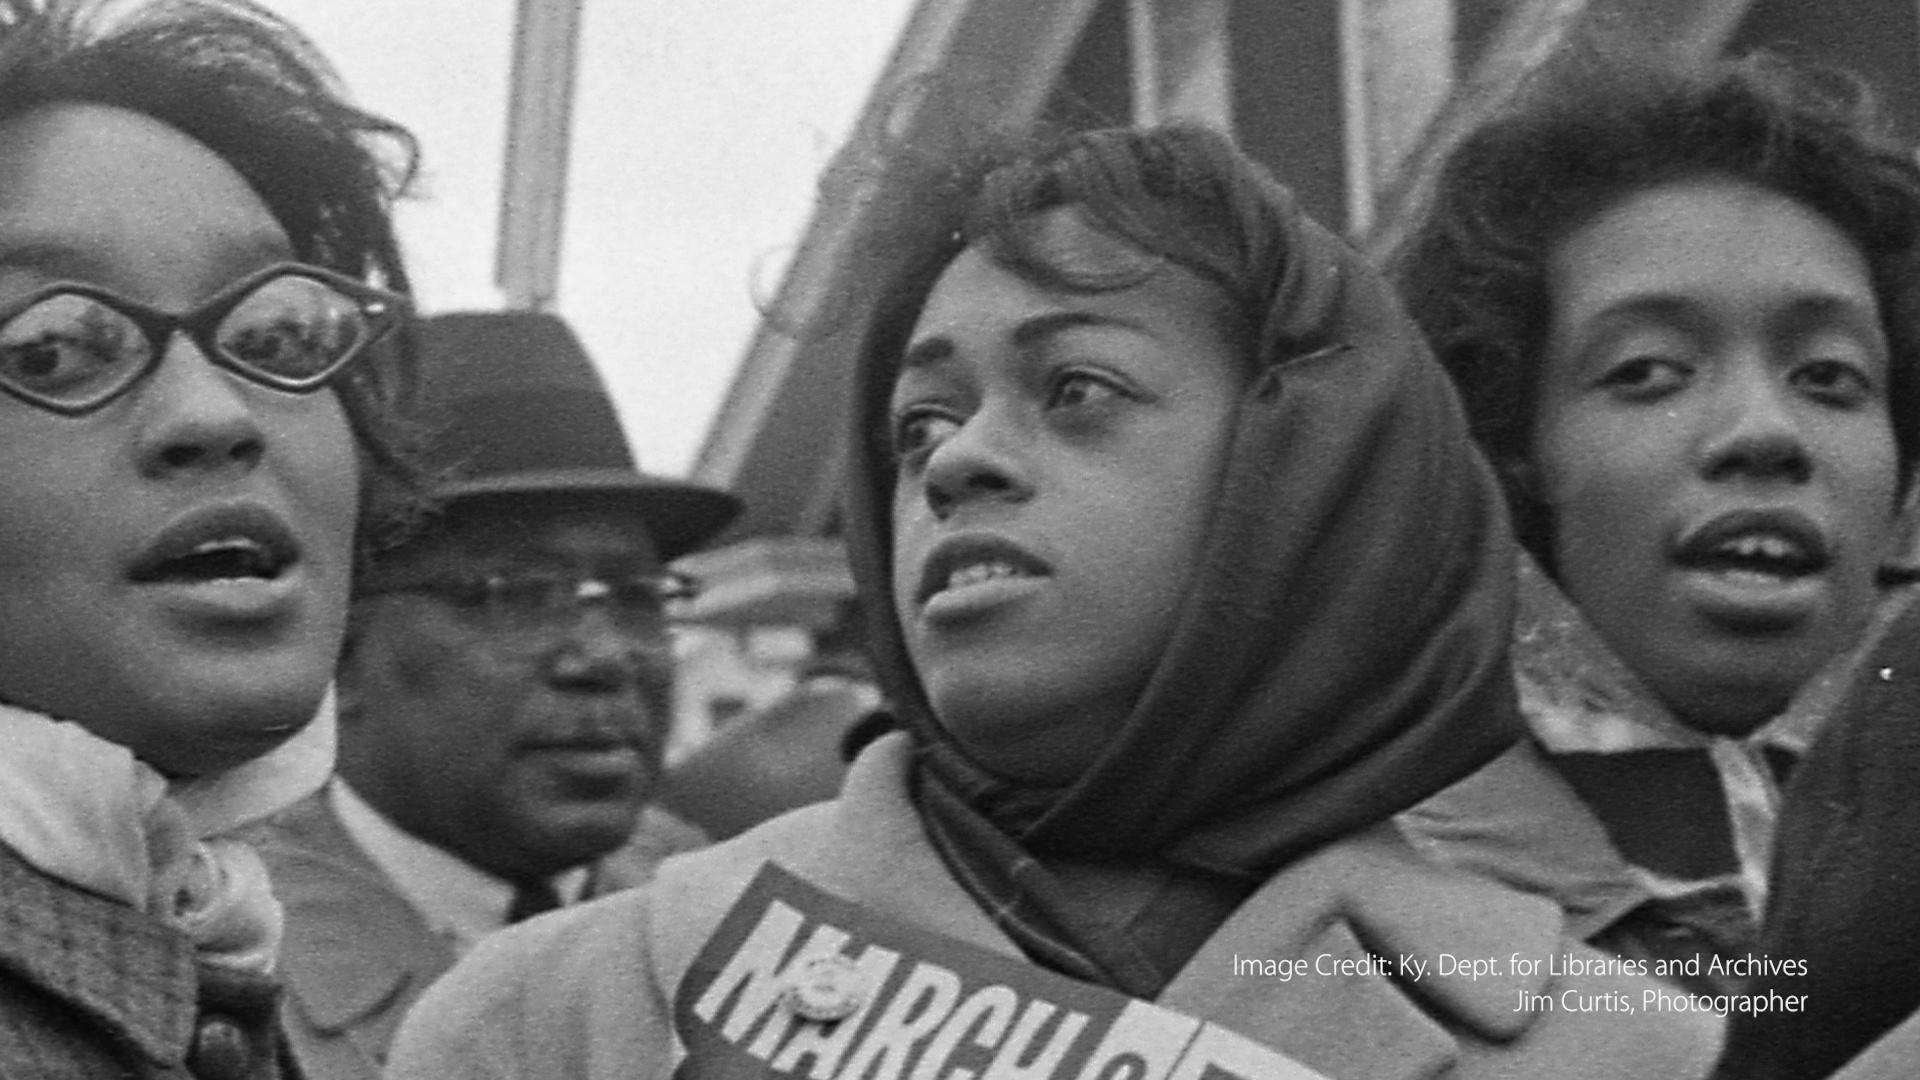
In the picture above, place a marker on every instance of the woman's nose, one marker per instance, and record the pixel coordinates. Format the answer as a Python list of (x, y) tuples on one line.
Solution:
[(1757, 433), (975, 463), (196, 417)]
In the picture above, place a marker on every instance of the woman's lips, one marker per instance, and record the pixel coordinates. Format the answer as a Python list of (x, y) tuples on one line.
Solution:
[(235, 541), (964, 602), (1757, 570), (976, 562), (1777, 542), (227, 563)]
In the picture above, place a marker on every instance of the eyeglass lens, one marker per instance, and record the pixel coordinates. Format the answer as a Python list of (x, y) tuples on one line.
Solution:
[(292, 327), (537, 600), (74, 348)]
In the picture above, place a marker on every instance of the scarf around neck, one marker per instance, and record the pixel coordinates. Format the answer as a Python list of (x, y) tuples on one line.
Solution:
[(87, 812), (1340, 655)]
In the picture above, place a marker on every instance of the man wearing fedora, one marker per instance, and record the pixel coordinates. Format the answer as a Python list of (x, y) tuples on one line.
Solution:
[(504, 695)]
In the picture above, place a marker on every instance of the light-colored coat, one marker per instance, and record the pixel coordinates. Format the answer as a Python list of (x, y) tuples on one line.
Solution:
[(588, 993)]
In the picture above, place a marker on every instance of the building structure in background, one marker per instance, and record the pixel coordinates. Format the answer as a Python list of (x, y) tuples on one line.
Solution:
[(1350, 102)]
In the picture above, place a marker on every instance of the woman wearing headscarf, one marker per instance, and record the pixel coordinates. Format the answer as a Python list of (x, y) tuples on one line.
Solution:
[(1183, 580)]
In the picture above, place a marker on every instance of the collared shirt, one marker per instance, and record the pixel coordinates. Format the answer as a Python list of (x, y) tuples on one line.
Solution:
[(1579, 699), (459, 901)]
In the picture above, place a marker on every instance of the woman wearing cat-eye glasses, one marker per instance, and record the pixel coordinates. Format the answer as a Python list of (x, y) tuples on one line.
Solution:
[(199, 288)]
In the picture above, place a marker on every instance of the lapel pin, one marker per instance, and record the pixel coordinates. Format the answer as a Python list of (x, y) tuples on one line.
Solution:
[(826, 988)]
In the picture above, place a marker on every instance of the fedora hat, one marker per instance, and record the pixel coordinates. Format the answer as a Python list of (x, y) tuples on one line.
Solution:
[(516, 409)]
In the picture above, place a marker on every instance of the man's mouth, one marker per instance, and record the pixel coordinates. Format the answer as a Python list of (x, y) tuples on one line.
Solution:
[(583, 743), (596, 762)]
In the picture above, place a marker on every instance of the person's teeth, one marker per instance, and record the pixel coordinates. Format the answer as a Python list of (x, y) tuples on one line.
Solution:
[(975, 573), (1760, 547), (229, 544)]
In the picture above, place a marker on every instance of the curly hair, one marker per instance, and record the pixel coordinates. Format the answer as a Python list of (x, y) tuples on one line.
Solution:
[(1474, 272), (249, 87)]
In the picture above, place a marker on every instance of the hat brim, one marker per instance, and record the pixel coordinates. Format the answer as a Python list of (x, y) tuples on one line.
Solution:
[(680, 517)]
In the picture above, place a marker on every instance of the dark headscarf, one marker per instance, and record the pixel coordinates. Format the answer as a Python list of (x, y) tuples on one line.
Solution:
[(1341, 652)]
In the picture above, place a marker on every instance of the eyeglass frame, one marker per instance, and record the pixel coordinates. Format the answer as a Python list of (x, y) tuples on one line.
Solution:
[(486, 590), (384, 311)]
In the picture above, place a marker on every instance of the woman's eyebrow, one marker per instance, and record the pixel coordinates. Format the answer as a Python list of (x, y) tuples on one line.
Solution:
[(47, 256), (925, 353), (1029, 334), (1820, 310), (59, 257), (1635, 312), (1650, 306), (1038, 329)]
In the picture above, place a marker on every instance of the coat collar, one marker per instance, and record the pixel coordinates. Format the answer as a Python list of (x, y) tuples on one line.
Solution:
[(1370, 896), (1518, 821), (129, 972), (1366, 894), (353, 944), (1578, 697)]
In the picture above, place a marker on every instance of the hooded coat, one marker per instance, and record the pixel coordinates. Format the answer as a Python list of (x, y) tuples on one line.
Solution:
[(1339, 656)]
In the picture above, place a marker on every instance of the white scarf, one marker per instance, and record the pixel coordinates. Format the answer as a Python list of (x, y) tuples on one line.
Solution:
[(86, 811)]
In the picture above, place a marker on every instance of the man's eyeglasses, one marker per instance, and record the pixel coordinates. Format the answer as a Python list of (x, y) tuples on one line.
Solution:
[(532, 601), (71, 348)]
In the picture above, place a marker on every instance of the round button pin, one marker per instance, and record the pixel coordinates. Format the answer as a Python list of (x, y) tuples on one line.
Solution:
[(826, 988)]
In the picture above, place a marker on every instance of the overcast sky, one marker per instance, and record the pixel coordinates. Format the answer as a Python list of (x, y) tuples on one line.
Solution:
[(699, 130)]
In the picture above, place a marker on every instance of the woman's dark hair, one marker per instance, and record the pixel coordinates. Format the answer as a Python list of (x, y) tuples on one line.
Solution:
[(1600, 127), (1180, 194), (252, 89)]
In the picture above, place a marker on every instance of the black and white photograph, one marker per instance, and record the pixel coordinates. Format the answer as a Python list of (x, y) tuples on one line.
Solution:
[(959, 540)]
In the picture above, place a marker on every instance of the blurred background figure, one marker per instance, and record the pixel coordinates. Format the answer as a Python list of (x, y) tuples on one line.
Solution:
[(504, 694), (790, 753)]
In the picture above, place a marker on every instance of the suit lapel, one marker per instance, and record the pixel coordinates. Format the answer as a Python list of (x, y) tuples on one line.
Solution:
[(357, 947)]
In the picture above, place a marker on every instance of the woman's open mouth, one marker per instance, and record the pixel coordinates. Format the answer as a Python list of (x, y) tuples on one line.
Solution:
[(233, 559), (966, 576), (1756, 569)]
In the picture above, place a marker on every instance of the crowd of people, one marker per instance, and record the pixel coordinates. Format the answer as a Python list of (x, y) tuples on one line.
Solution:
[(1492, 664)]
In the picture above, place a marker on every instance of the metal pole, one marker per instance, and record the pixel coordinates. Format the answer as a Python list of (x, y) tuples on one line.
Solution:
[(533, 189)]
